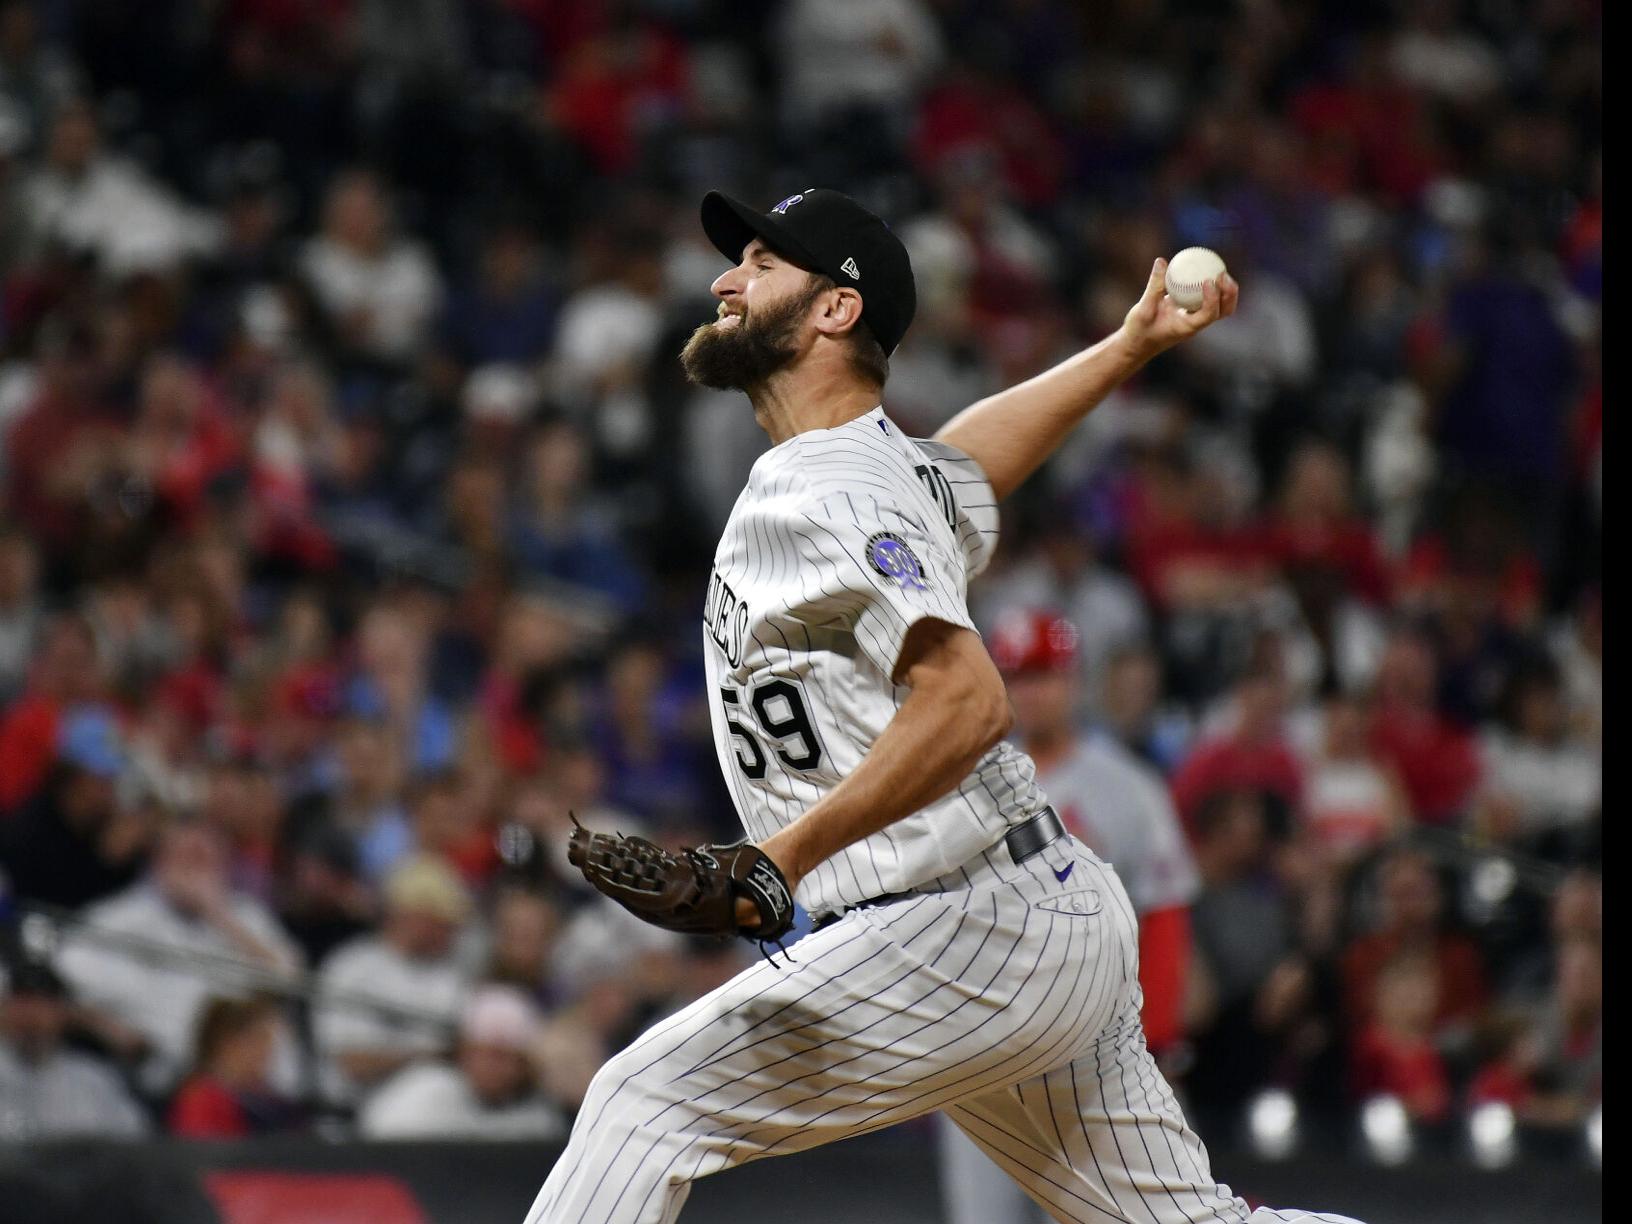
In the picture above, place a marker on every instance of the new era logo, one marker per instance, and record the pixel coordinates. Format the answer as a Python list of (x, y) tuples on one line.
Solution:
[(848, 267)]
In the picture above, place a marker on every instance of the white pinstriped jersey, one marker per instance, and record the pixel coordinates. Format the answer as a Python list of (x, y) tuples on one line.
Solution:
[(841, 541)]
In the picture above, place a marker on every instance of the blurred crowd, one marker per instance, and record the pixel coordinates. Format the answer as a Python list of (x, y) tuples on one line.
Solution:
[(356, 518)]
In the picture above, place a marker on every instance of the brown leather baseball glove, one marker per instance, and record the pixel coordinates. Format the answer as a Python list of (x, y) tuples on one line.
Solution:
[(694, 892)]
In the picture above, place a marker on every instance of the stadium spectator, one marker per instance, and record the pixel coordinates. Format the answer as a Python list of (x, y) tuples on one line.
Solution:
[(229, 1093), (94, 202), (76, 842), (447, 820), (608, 330), (1190, 549), (379, 291), (559, 531), (49, 1090), (1273, 350), (294, 450), (148, 959), (614, 973), (1502, 418), (1551, 1071), (367, 801), (1437, 762), (527, 669), (1131, 708), (489, 1091), (1065, 571), (242, 802), (1578, 647), (524, 928), (1252, 753), (1395, 1054), (64, 676), (648, 737), (22, 611), (391, 685), (322, 899), (1006, 260), (623, 85), (1352, 803), (390, 999), (1434, 53), (1251, 985), (976, 105), (1576, 912), (1550, 782), (1410, 919), (854, 60), (507, 313), (35, 74), (1330, 557)]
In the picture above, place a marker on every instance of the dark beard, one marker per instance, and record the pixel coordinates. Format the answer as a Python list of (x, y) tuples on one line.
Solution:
[(746, 355)]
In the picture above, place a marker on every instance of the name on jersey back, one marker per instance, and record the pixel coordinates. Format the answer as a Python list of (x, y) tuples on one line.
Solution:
[(726, 619)]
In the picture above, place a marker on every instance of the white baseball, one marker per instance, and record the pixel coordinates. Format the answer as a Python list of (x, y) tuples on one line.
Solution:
[(1188, 271)]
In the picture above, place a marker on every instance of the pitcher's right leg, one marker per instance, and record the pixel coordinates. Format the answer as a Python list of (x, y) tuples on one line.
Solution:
[(1100, 1141), (1103, 1140)]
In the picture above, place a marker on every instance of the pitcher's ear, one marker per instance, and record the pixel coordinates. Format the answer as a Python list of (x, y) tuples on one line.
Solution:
[(842, 313)]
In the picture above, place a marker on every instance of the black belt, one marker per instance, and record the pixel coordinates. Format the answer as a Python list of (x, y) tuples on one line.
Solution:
[(1028, 839), (1023, 841)]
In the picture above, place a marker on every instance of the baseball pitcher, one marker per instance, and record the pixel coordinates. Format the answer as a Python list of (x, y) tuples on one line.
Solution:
[(970, 955)]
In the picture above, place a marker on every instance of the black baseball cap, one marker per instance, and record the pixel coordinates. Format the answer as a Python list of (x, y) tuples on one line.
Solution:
[(826, 231)]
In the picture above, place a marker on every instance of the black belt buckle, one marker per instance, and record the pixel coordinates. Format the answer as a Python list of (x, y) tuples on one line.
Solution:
[(1028, 839)]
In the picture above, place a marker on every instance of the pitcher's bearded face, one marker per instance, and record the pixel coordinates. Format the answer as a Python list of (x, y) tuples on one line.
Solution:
[(746, 345)]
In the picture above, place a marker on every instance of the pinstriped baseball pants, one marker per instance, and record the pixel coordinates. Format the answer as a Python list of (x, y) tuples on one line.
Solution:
[(1009, 999)]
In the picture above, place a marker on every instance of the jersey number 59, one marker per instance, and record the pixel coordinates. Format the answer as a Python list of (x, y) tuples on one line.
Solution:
[(779, 709)]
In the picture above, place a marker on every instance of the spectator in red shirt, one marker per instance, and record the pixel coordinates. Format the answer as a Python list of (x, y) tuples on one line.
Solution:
[(66, 673), (1410, 903), (1252, 754), (1315, 536), (1183, 548), (293, 449), (448, 818), (1368, 130), (1395, 1053), (180, 440), (615, 88), (1437, 762), (975, 108), (228, 1095), (58, 448)]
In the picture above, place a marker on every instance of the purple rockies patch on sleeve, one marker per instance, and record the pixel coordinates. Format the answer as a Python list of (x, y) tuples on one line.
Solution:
[(889, 555)]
